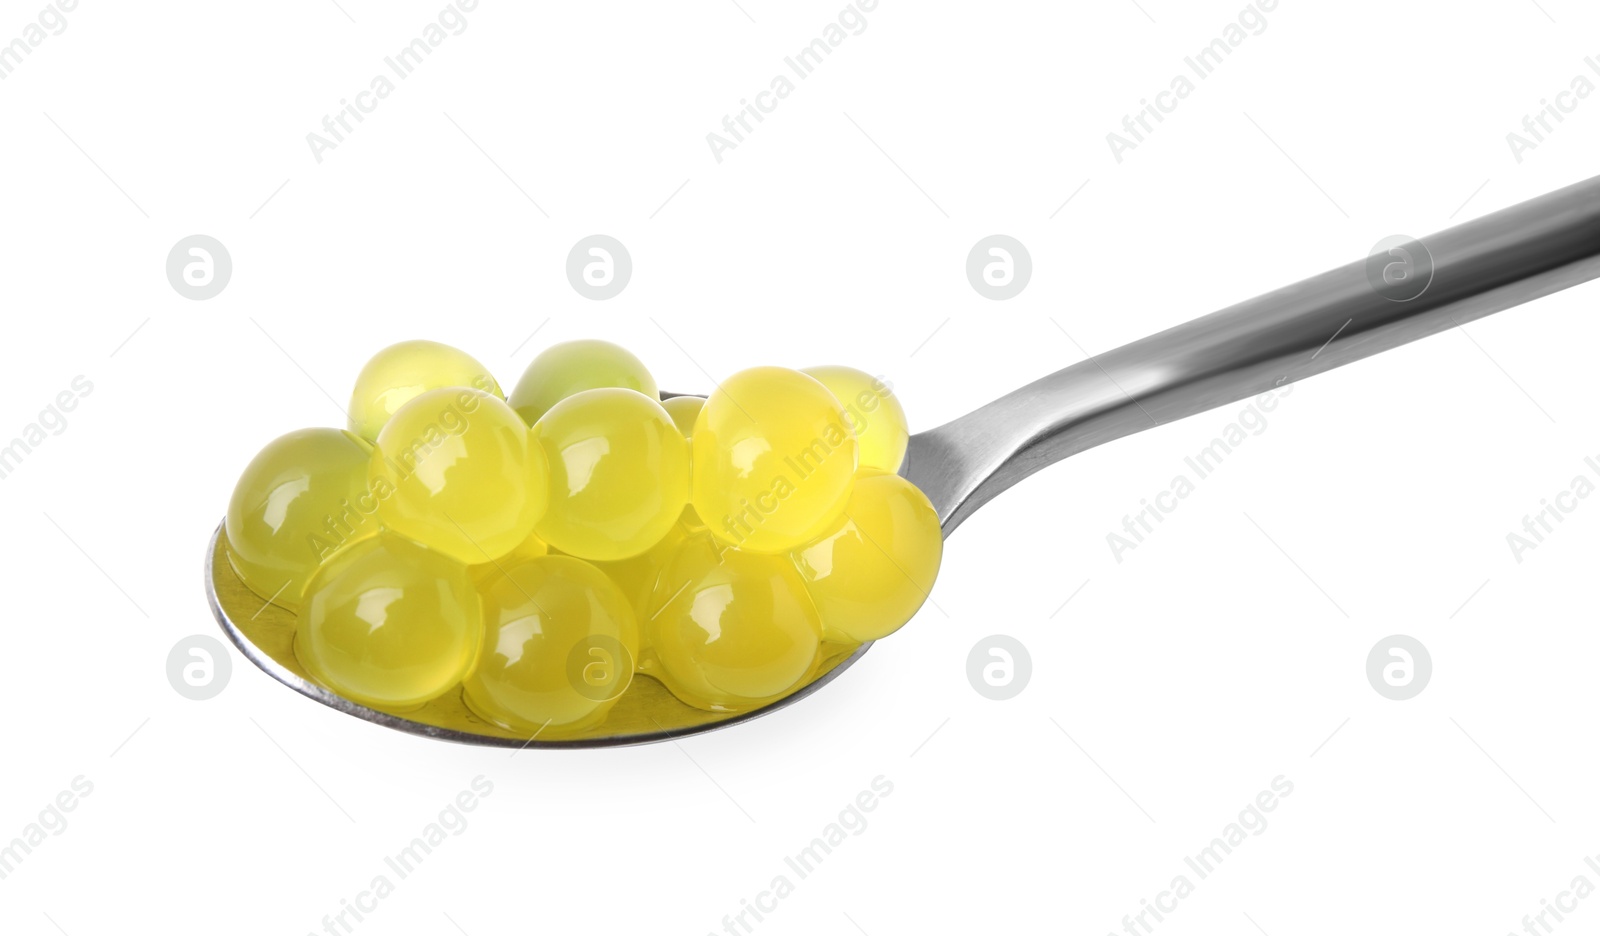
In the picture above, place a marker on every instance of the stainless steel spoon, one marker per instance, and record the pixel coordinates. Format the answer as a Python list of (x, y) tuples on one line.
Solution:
[(1415, 289)]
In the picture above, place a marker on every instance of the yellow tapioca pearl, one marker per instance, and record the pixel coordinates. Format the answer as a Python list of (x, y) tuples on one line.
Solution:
[(774, 458), (402, 372), (871, 573), (457, 471), (874, 413), (298, 500), (619, 474), (739, 633), (559, 646), (684, 410), (572, 367), (388, 622)]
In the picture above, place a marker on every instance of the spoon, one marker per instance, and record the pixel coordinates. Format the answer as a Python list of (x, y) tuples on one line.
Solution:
[(1407, 290)]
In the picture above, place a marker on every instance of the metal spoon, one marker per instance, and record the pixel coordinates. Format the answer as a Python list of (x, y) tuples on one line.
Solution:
[(1414, 290)]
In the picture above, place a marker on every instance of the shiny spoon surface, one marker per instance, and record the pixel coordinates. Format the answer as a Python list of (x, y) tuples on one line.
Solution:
[(1419, 288)]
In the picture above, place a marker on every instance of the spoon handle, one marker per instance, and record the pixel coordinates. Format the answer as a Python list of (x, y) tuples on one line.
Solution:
[(1470, 271)]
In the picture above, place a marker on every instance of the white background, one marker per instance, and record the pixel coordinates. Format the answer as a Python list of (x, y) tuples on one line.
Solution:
[(1227, 650)]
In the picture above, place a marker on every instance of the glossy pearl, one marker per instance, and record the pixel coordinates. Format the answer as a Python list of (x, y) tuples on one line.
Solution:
[(560, 643), (619, 474), (872, 572), (741, 632), (874, 413), (457, 471), (774, 458), (684, 410), (402, 372), (390, 623), (302, 497), (572, 367)]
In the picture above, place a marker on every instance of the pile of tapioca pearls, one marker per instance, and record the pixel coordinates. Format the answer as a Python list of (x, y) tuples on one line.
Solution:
[(539, 550)]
